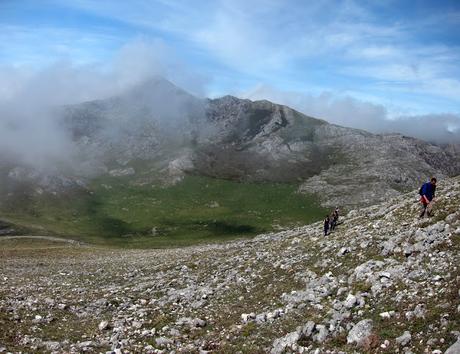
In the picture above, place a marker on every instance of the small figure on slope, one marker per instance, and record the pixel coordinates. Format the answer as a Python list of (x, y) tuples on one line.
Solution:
[(427, 193), (327, 221)]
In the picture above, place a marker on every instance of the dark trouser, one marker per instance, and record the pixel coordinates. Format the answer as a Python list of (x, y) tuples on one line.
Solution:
[(326, 229), (424, 205), (427, 208)]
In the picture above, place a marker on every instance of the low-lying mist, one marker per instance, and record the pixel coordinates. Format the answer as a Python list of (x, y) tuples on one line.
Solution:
[(31, 130)]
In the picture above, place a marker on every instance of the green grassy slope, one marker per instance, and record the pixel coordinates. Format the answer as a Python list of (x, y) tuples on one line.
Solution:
[(198, 209)]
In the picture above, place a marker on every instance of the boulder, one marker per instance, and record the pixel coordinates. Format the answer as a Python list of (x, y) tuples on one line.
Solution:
[(350, 301), (454, 348), (404, 339), (281, 344), (360, 332), (103, 325)]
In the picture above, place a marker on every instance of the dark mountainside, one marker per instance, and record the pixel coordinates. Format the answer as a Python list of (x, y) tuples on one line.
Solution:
[(157, 133)]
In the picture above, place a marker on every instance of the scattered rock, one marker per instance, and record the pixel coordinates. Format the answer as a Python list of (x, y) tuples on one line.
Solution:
[(404, 339), (387, 314), (343, 251), (350, 301), (360, 332), (163, 341), (185, 300), (103, 325), (86, 344), (420, 311), (307, 329), (322, 333), (283, 343), (197, 322), (51, 345)]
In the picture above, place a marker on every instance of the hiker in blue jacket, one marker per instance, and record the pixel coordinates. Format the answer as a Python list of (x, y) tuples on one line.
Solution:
[(427, 193)]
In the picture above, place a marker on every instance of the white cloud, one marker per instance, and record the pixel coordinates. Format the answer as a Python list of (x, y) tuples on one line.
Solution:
[(361, 114), (267, 40)]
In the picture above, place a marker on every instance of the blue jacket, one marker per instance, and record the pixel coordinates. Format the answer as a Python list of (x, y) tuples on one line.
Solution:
[(428, 191)]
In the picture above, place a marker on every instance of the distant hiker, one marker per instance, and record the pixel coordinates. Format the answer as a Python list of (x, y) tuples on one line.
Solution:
[(427, 193), (327, 221), (333, 221), (335, 217)]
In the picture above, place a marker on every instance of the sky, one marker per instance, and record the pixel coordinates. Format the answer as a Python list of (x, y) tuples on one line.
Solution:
[(388, 65)]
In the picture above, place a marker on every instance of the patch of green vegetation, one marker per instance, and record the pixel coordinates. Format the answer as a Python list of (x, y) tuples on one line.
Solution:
[(248, 329), (362, 287), (118, 212)]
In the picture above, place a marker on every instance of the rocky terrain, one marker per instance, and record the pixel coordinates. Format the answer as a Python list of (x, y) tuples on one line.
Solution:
[(264, 141), (384, 281)]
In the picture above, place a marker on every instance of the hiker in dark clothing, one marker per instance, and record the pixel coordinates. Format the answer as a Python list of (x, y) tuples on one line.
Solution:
[(427, 193), (326, 225), (332, 221), (335, 216)]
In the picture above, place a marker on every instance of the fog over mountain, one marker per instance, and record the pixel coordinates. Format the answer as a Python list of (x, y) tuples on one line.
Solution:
[(30, 100)]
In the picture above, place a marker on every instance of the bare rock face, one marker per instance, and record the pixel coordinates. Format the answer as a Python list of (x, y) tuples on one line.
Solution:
[(377, 167)]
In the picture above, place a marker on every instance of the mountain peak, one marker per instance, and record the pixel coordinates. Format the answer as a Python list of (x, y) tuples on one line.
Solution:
[(156, 86)]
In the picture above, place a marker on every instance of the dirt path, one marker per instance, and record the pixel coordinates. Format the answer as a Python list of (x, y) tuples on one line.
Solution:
[(47, 238)]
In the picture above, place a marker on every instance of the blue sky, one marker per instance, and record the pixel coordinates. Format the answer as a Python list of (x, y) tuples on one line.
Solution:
[(392, 58)]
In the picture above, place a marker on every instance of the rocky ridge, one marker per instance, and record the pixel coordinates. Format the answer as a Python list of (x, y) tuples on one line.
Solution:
[(383, 282)]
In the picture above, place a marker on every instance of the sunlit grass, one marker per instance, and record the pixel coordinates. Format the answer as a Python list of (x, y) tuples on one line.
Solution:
[(198, 209)]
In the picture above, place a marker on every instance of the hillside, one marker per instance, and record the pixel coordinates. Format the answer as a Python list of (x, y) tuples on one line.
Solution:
[(157, 133), (384, 281), (264, 141)]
